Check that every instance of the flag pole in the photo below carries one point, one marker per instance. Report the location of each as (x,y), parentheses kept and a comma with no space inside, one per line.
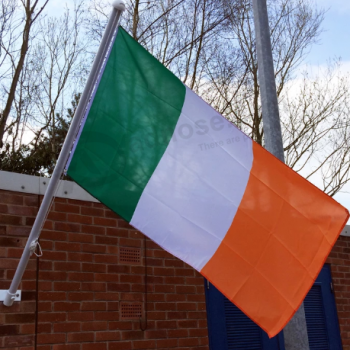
(295,332)
(118,8)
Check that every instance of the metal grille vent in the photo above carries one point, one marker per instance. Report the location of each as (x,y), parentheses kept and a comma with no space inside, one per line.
(130,255)
(131,311)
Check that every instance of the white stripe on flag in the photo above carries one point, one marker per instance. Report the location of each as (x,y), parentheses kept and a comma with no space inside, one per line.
(193,195)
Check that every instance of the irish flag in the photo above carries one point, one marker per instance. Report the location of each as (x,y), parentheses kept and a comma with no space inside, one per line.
(163,159)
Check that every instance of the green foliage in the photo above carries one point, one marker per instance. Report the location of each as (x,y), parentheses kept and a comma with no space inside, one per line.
(39,156)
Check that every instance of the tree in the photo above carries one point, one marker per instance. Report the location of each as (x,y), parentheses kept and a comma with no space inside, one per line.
(9,39)
(210,46)
(38,157)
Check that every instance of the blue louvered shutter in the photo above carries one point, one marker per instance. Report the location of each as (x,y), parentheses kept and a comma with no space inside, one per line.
(230,329)
(321,315)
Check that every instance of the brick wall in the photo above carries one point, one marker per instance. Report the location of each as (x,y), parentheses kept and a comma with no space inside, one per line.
(85,292)
(340,267)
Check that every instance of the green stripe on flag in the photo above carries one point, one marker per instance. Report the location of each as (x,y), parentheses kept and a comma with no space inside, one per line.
(129,126)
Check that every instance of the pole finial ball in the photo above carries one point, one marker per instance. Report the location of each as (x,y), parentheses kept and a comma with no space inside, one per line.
(118,5)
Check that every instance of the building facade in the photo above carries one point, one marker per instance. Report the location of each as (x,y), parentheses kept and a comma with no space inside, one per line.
(101,284)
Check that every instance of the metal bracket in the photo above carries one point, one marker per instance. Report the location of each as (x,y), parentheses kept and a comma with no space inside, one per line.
(15,297)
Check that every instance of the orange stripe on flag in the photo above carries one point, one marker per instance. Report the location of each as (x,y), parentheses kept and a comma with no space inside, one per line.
(279,239)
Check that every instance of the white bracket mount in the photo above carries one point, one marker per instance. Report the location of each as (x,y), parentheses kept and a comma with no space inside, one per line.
(15,297)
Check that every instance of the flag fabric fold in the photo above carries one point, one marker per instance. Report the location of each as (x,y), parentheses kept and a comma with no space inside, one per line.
(168,163)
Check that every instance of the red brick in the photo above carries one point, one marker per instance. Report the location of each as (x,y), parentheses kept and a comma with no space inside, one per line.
(52,317)
(96,230)
(18,340)
(167,343)
(119,345)
(188,342)
(66,347)
(155,334)
(19,318)
(106,316)
(106,259)
(105,222)
(62,256)
(93,248)
(67,266)
(80,257)
(132,335)
(92,211)
(9,198)
(164,271)
(67,208)
(165,306)
(118,269)
(21,211)
(52,275)
(107,296)
(66,306)
(187,272)
(127,242)
(117,232)
(106,240)
(66,327)
(118,287)
(106,277)
(63,226)
(65,246)
(80,316)
(94,326)
(177,333)
(80,276)
(164,289)
(54,235)
(123,224)
(18,231)
(80,337)
(44,328)
(56,216)
(96,346)
(186,306)
(82,238)
(106,336)
(44,306)
(185,289)
(166,324)
(27,329)
(88,267)
(10,220)
(197,333)
(96,287)
(8,330)
(144,344)
(48,225)
(52,296)
(81,296)
(120,325)
(66,286)
(94,306)
(87,220)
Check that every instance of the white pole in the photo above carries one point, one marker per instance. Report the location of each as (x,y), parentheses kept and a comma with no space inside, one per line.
(118,8)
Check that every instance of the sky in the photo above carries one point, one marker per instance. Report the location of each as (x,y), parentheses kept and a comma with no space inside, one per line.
(334,42)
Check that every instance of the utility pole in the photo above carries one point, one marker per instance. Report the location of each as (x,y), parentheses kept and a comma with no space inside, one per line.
(295,332)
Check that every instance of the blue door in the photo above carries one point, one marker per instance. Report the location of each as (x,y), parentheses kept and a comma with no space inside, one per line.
(230,329)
